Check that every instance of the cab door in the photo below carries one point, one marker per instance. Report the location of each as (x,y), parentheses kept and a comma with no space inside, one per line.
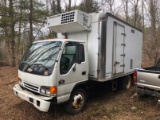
(71,71)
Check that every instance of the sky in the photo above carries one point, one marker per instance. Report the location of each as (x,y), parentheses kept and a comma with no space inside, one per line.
(77,2)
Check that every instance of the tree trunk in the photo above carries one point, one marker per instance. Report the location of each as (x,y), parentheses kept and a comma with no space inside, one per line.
(59,6)
(135,12)
(126,11)
(30,22)
(69,5)
(53,8)
(12,33)
(19,36)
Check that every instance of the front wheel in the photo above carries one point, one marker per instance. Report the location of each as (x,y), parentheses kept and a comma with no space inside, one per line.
(77,101)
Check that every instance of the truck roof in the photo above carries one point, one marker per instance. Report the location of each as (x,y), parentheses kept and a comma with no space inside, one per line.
(106,14)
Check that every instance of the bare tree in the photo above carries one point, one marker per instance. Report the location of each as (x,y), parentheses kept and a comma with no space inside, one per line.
(151,33)
(30,22)
(68,6)
(135,4)
(59,10)
(125,7)
(111,6)
(89,6)
(107,5)
(12,37)
(143,16)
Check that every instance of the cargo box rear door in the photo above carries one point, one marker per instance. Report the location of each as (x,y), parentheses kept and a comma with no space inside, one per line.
(118,46)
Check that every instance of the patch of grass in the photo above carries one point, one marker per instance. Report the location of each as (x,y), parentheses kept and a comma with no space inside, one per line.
(102,112)
(113,110)
(97,113)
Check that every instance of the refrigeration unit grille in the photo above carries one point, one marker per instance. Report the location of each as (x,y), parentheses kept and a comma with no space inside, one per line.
(67,17)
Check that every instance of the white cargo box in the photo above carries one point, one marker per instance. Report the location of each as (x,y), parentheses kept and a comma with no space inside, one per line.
(114,46)
(69,22)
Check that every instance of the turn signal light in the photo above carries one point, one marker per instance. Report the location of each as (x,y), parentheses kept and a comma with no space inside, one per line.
(53,90)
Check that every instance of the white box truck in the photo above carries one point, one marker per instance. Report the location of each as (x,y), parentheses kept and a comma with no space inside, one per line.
(99,48)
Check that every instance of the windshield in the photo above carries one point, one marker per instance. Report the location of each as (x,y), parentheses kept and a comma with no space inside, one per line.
(40,57)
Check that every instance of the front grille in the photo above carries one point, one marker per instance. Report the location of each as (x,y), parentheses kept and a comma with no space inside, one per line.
(31,87)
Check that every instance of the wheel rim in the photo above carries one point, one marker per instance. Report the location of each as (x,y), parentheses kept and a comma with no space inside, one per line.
(78,101)
(128,83)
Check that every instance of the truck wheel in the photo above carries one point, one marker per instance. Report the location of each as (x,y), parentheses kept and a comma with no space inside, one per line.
(77,101)
(126,82)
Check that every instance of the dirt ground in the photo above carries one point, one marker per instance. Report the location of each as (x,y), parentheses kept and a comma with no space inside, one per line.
(108,105)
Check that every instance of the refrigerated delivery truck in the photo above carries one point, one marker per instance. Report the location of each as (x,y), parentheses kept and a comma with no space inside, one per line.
(96,47)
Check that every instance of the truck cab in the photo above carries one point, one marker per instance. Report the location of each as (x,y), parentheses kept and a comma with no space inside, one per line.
(50,70)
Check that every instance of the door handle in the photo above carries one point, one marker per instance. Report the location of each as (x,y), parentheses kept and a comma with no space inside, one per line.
(159,76)
(61,82)
(115,63)
(84,73)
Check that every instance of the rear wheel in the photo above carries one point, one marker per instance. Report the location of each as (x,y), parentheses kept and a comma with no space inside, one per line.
(77,101)
(126,82)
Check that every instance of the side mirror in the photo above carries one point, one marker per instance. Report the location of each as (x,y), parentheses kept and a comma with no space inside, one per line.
(80,53)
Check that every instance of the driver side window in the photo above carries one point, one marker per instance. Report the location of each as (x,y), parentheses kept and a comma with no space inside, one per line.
(68,57)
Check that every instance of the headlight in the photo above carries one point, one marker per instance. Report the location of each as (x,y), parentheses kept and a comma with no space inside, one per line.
(45,90)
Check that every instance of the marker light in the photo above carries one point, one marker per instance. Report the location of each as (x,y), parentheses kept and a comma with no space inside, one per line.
(135,76)
(102,18)
(17,78)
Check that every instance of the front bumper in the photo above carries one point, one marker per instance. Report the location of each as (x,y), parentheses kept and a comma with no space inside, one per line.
(40,102)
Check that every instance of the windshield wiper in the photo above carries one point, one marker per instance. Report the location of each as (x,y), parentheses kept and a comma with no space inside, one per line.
(23,66)
(40,69)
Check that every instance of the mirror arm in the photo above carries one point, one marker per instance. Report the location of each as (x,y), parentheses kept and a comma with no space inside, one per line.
(74,67)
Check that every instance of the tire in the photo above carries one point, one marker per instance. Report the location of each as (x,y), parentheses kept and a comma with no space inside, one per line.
(126,82)
(77,101)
